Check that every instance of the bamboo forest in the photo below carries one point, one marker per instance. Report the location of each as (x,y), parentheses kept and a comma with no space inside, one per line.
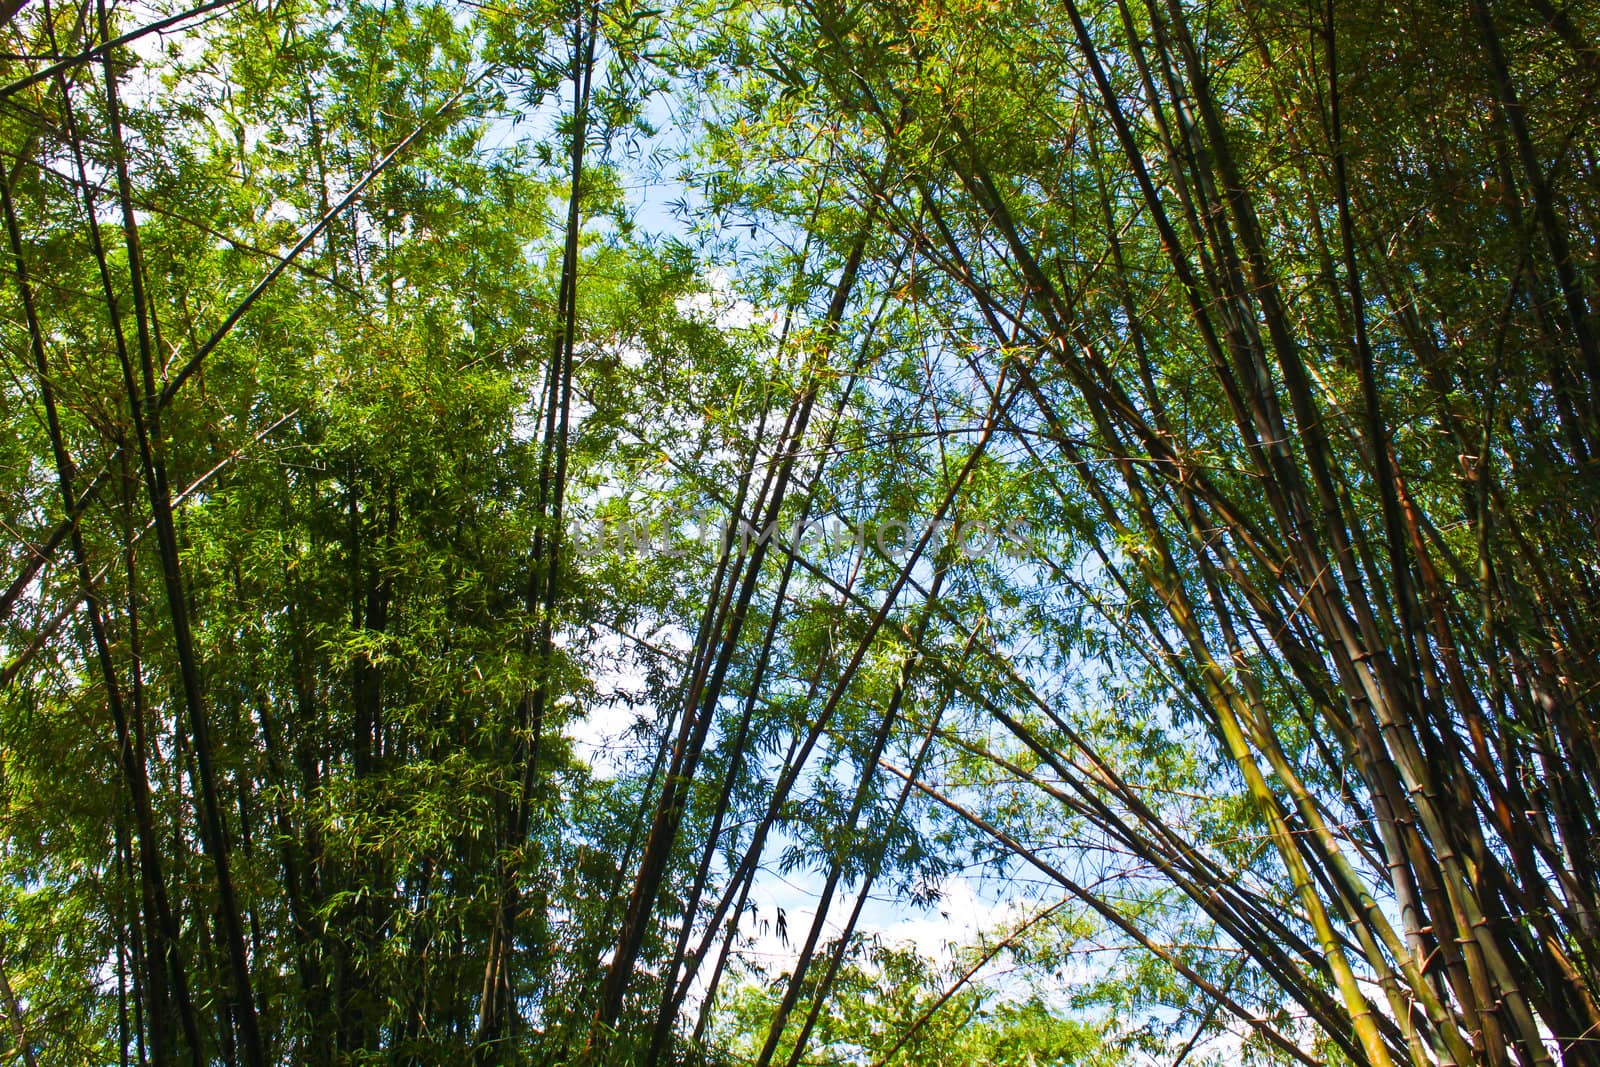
(800,533)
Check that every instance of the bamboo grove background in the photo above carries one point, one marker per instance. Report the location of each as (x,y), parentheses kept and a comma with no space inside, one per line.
(1267,331)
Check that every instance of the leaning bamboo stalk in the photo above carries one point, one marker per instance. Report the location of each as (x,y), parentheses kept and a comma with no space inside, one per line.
(1114,917)
(151,448)
(167,963)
